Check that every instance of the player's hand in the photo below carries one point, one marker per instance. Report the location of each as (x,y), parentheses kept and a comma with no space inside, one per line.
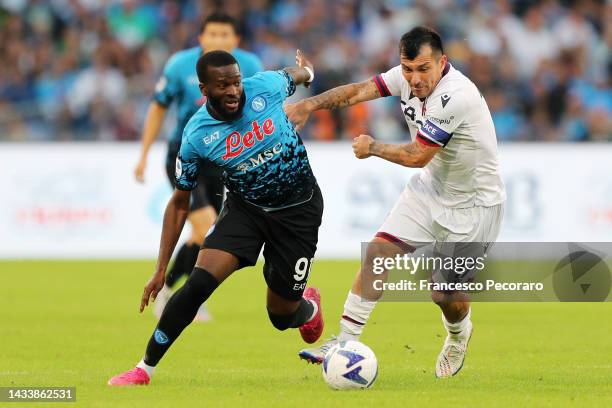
(139,170)
(361,146)
(155,284)
(297,113)
(302,62)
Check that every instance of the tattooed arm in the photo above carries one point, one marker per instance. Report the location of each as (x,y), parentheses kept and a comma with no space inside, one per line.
(415,154)
(335,98)
(342,96)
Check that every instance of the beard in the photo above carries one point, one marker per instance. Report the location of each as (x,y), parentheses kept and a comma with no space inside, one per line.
(221,111)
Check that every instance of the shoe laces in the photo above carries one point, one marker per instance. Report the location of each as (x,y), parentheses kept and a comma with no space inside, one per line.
(453,351)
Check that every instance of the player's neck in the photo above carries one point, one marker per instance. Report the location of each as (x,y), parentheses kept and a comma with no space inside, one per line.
(445,71)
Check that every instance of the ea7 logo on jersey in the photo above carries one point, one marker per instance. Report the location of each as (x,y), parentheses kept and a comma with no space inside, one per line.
(235,143)
(445,98)
(211,138)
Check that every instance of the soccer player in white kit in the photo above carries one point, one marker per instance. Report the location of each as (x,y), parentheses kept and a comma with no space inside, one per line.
(457,197)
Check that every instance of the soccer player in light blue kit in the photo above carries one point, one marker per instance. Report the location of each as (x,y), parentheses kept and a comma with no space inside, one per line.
(179,83)
(273,203)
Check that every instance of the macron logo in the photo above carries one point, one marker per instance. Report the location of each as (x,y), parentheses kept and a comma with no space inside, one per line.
(236,143)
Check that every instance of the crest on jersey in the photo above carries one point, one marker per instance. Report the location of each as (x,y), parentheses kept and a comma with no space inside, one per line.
(445,98)
(258,104)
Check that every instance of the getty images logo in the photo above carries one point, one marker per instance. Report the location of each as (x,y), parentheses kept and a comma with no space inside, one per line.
(582,276)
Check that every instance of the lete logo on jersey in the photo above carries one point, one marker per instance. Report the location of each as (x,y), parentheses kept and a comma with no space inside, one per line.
(235,143)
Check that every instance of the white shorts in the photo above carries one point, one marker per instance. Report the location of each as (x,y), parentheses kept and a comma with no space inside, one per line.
(417,218)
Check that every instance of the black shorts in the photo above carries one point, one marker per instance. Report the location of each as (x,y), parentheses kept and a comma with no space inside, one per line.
(209,190)
(289,239)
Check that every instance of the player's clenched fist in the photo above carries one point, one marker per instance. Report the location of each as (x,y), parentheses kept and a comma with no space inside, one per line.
(361,146)
(297,113)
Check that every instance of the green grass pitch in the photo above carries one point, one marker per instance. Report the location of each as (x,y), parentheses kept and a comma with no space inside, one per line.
(77,324)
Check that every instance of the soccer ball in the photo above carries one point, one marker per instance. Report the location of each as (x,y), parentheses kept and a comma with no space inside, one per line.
(350,365)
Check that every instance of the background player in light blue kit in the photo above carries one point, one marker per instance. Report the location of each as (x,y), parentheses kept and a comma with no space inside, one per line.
(273,203)
(179,83)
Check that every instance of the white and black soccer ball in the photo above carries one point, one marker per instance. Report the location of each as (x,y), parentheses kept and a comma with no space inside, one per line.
(350,365)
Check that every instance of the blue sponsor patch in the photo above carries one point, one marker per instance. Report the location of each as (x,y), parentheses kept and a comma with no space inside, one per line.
(435,133)
(160,337)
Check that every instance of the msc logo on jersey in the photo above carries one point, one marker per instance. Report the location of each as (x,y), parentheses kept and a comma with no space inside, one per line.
(178,170)
(258,104)
(261,158)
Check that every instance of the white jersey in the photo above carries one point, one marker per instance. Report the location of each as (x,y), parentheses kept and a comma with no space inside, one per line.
(464,173)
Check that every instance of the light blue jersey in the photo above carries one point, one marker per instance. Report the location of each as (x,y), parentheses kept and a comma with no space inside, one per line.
(179,82)
(263,157)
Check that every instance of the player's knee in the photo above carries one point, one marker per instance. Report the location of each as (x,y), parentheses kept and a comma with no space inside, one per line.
(439,298)
(200,284)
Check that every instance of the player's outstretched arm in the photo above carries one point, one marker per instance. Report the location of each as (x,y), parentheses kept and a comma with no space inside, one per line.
(152,125)
(174,220)
(414,154)
(303,73)
(335,98)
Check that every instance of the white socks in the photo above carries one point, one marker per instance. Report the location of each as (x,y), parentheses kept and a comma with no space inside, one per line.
(355,316)
(456,331)
(149,369)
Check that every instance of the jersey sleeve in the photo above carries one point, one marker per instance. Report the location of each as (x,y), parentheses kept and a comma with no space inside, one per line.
(168,85)
(277,81)
(390,83)
(187,169)
(443,115)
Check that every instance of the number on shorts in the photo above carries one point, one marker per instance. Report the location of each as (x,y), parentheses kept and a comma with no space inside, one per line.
(302,268)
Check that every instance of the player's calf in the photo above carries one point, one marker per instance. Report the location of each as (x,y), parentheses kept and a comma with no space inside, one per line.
(307,315)
(179,312)
(301,315)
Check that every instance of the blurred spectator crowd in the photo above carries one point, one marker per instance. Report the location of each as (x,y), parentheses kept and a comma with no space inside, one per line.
(85,69)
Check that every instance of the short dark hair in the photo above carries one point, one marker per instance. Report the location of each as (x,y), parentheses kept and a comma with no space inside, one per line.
(413,40)
(215,59)
(222,18)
